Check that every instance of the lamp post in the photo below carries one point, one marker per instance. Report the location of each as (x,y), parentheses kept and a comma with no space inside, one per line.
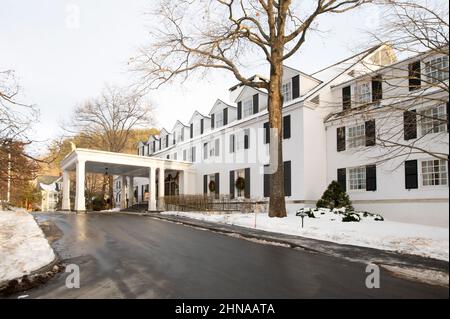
(302,214)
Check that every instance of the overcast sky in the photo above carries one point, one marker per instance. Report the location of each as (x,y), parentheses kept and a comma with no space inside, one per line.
(60,62)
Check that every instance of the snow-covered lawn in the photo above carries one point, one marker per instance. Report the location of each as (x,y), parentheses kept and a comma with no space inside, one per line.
(23,246)
(387,235)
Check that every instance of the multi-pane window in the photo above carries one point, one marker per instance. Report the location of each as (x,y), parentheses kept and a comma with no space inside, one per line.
(286,91)
(357,178)
(356,136)
(434,172)
(364,93)
(434,120)
(436,69)
(248,107)
(218,119)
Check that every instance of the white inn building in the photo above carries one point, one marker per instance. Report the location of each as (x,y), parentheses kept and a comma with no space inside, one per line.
(376,125)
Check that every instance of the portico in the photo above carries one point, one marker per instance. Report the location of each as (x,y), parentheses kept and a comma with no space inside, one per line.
(126,166)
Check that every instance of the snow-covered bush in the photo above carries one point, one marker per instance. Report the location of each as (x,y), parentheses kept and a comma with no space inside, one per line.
(351,217)
(347,215)
(334,197)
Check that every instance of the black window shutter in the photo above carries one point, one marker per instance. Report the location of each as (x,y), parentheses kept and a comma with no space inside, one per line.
(205,184)
(370,133)
(225,116)
(266,182)
(346,98)
(340,135)
(232,137)
(266,133)
(159,141)
(167,140)
(377,88)
(154,146)
(411,176)
(410,124)
(192,130)
(295,87)
(287,178)
(342,178)
(231,184)
(239,110)
(246,139)
(217,181)
(247,183)
(212,121)
(287,127)
(255,103)
(414,72)
(371,178)
(202,126)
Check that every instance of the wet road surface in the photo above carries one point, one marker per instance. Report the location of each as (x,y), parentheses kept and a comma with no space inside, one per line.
(125,256)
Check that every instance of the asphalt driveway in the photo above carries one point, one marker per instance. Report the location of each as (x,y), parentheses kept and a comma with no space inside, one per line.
(125,256)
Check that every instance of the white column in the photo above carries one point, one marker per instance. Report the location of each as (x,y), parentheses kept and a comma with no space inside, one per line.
(130,191)
(80,205)
(66,190)
(123,192)
(161,188)
(152,189)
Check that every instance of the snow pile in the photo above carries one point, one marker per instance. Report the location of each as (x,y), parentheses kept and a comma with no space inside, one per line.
(23,246)
(327,225)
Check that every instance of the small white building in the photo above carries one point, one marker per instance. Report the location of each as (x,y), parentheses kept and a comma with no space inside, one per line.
(50,187)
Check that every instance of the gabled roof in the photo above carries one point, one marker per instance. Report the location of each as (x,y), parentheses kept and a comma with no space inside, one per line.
(330,73)
(254,78)
(218,102)
(178,123)
(163,131)
(302,73)
(197,113)
(248,88)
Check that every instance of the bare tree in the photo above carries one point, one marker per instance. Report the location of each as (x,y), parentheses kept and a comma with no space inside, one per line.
(16,117)
(108,121)
(224,35)
(416,91)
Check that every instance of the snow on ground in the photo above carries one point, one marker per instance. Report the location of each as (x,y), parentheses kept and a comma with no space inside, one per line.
(414,239)
(23,246)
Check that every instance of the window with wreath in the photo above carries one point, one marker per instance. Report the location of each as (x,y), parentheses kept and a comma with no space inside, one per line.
(434,120)
(357,178)
(436,70)
(356,136)
(434,172)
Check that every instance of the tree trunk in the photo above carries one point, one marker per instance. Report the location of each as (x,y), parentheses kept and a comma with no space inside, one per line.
(277,204)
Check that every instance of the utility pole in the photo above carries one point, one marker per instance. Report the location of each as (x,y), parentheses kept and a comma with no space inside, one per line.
(8,195)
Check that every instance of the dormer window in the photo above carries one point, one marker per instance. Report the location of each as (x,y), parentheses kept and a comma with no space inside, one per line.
(286,91)
(218,119)
(364,93)
(248,107)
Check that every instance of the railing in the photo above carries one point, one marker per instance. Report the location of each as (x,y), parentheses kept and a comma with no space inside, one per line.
(222,203)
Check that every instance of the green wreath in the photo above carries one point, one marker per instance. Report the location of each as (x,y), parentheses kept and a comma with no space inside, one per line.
(240,183)
(212,186)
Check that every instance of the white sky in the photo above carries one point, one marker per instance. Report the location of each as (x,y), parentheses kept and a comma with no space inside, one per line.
(60,64)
